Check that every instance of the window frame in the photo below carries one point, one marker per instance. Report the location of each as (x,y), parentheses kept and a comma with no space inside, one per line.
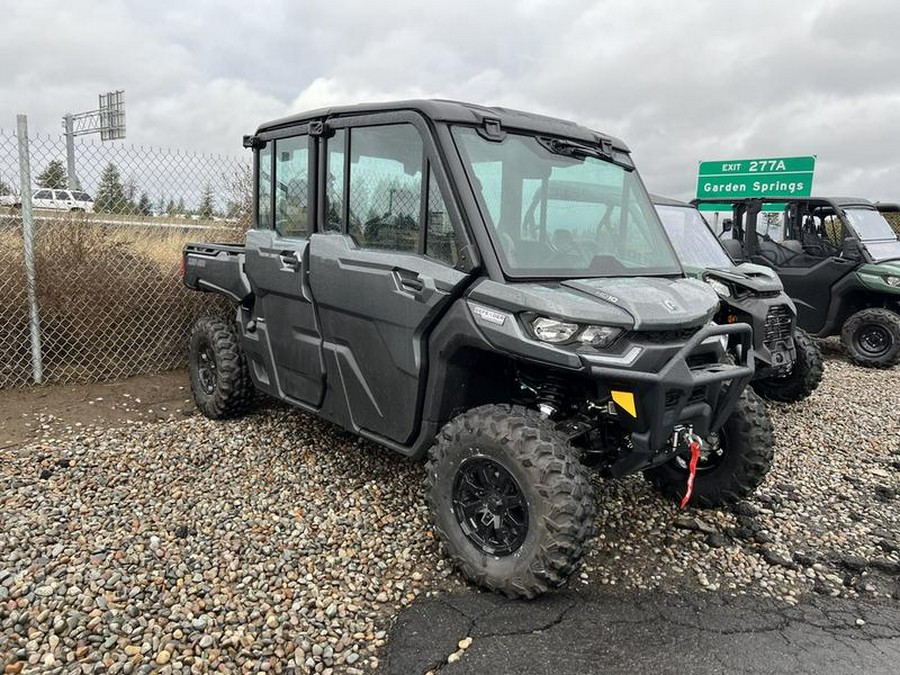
(312,146)
(431,162)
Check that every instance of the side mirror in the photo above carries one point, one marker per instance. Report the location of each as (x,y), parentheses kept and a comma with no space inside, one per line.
(727,224)
(850,249)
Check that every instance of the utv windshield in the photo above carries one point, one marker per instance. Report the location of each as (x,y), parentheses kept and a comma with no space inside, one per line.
(875,233)
(694,242)
(564,209)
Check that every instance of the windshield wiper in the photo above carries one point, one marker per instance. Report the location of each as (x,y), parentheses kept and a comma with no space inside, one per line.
(572,148)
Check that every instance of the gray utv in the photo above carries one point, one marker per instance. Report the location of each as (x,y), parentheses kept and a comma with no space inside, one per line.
(788,362)
(397,282)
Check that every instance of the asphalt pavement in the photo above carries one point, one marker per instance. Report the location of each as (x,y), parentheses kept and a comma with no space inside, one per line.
(648,632)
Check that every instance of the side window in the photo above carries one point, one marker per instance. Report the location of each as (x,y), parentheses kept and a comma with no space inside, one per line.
(264,180)
(292,186)
(61,195)
(334,185)
(43,194)
(385,187)
(440,242)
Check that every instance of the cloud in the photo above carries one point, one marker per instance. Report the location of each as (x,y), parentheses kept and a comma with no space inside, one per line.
(678,82)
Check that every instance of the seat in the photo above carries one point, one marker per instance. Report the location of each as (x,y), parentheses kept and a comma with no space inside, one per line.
(793,245)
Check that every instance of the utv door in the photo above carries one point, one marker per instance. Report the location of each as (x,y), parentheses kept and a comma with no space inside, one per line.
(284,348)
(379,286)
(810,288)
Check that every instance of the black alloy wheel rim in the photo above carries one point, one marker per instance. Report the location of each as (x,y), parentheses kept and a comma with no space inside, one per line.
(206,370)
(489,506)
(873,340)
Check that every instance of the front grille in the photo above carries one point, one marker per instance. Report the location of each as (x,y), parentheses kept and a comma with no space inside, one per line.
(779,321)
(664,337)
(696,395)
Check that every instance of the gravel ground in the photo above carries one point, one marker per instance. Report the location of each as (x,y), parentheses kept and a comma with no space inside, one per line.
(826,519)
(278,541)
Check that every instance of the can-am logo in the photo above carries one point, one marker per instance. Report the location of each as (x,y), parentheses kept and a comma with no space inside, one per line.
(671,306)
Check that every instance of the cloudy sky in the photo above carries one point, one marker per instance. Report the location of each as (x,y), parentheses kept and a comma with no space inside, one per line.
(678,81)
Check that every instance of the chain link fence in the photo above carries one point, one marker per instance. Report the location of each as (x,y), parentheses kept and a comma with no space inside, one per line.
(107,254)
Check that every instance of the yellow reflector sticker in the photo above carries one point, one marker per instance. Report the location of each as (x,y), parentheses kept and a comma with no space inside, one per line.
(625,400)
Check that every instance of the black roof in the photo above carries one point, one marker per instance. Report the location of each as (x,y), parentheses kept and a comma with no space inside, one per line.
(667,201)
(456,111)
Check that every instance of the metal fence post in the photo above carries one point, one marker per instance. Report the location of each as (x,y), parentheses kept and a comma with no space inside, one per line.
(28,239)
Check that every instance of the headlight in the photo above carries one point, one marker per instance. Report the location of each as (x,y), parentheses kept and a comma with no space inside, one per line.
(599,336)
(553,330)
(893,281)
(719,287)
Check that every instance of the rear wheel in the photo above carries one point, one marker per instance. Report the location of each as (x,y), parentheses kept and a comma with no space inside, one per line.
(510,500)
(872,337)
(734,461)
(802,380)
(220,381)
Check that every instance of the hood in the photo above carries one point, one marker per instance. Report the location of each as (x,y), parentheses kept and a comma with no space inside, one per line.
(639,303)
(888,268)
(874,276)
(756,278)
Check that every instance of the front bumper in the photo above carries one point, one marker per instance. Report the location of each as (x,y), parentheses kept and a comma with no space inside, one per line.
(678,394)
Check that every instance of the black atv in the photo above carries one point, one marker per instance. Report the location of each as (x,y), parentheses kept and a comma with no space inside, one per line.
(839,261)
(396,282)
(788,362)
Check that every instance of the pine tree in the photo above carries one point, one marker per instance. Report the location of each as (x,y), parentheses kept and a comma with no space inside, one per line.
(207,203)
(53,176)
(111,193)
(144,207)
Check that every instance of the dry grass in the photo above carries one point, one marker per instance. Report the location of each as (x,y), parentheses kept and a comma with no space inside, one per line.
(110,297)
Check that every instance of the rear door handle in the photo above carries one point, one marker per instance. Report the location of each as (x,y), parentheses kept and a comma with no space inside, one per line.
(289,261)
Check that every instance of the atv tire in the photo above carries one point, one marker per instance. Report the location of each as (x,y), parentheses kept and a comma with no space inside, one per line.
(220,381)
(510,500)
(747,442)
(872,338)
(804,378)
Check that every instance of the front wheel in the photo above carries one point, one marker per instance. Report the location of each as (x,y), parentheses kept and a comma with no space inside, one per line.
(510,501)
(803,378)
(872,338)
(733,462)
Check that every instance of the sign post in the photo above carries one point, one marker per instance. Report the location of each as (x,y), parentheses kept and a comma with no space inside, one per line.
(109,120)
(741,178)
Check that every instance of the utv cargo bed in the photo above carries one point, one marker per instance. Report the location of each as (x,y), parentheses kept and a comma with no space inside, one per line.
(216,267)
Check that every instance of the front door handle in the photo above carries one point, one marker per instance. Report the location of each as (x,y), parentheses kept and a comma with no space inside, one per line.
(410,281)
(415,285)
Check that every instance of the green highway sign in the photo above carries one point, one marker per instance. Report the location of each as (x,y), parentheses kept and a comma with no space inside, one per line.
(768,177)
